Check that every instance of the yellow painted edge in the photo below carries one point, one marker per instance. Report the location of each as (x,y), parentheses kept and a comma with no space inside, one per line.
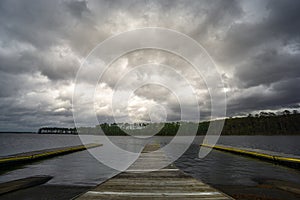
(46,154)
(252,153)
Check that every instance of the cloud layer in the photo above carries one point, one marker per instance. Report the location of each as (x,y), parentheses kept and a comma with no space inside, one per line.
(255,44)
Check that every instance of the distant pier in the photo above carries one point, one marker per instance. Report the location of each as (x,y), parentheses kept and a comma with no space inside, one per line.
(55,130)
(139,181)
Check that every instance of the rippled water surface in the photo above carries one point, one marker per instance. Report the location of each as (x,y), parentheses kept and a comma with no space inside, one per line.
(217,169)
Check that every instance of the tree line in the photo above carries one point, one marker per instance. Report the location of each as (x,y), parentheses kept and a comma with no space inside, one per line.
(263,123)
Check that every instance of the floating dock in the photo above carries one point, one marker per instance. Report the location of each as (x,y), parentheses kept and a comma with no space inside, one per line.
(139,181)
(274,157)
(22,158)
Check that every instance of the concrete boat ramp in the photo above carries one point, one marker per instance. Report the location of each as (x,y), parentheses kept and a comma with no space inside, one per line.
(139,181)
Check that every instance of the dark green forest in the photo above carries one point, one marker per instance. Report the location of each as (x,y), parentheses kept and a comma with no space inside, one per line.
(264,123)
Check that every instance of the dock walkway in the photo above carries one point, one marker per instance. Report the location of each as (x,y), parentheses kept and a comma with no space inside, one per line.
(140,182)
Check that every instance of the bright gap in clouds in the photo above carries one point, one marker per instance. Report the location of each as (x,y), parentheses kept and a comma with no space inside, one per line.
(150,102)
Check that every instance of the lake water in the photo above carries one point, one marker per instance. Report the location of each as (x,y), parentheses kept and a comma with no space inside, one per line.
(219,169)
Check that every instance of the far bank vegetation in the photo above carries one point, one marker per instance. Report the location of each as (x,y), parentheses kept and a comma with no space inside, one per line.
(264,123)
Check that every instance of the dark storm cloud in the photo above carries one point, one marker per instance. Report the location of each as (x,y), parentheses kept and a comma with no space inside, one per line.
(24,117)
(265,57)
(78,8)
(283,94)
(17,64)
(284,18)
(217,14)
(10,87)
(42,43)
(30,32)
(268,67)
(34,22)
(280,25)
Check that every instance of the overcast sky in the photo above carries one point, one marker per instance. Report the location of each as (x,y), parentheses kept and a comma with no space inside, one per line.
(255,45)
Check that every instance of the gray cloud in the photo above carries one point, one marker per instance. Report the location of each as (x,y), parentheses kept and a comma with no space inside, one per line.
(256,46)
(268,67)
(279,26)
(78,8)
(282,94)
